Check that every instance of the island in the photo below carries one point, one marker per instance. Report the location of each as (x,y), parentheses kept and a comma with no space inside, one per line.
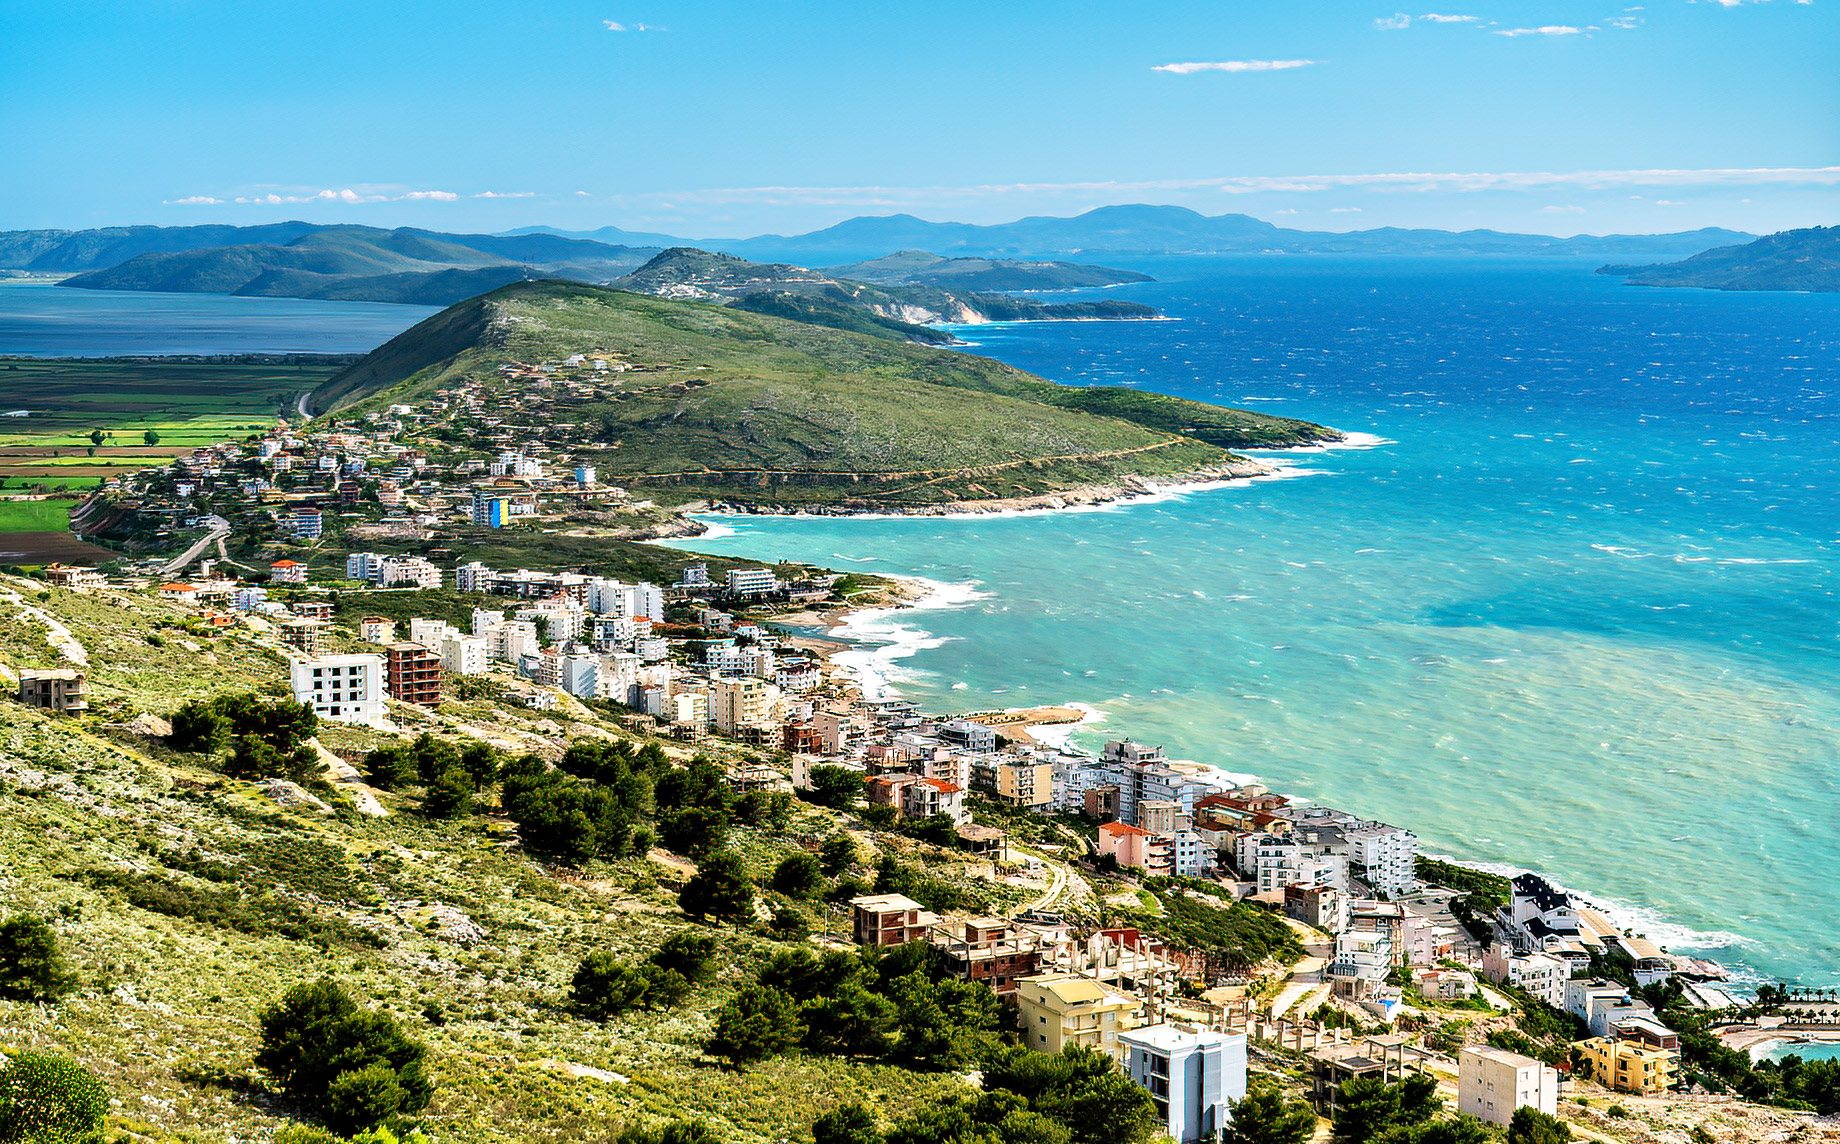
(1805,260)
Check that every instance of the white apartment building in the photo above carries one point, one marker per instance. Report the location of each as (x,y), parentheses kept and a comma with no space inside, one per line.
(690,709)
(377,630)
(342,688)
(1275,861)
(652,649)
(399,571)
(1191,1074)
(741,702)
(1540,974)
(364,566)
(752,581)
(1492,1083)
(462,654)
(1362,960)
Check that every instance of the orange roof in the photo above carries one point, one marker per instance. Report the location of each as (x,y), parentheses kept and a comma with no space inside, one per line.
(285,564)
(178,587)
(942,786)
(1121,828)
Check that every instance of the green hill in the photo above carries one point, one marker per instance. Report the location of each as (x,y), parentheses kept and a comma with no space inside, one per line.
(919,268)
(891,308)
(1807,260)
(736,405)
(358,263)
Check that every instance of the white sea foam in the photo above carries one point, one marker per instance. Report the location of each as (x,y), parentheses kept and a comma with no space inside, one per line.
(882,639)
(1056,735)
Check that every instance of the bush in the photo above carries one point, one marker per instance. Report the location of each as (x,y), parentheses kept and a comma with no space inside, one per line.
(450,795)
(676,1132)
(758,1024)
(604,987)
(798,876)
(692,955)
(50,1100)
(349,1064)
(32,965)
(834,786)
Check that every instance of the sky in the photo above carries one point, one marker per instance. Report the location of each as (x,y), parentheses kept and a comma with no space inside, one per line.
(710,118)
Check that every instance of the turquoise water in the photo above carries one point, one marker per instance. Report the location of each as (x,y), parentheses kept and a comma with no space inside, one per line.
(1806,1052)
(1578,614)
(41,320)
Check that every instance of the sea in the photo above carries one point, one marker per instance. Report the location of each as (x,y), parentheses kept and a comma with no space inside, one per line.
(40,319)
(1569,605)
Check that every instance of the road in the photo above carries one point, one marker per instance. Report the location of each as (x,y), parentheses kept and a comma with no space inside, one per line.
(300,405)
(214,537)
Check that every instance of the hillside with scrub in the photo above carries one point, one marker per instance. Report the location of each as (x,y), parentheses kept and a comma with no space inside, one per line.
(695,400)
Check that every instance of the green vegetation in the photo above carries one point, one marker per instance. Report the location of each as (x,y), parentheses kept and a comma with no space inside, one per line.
(32,963)
(1806,259)
(1240,935)
(1265,1117)
(34,516)
(46,1099)
(918,268)
(350,1067)
(749,408)
(1531,1126)
(1405,1112)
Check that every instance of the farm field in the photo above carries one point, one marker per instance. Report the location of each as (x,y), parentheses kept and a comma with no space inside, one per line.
(53,408)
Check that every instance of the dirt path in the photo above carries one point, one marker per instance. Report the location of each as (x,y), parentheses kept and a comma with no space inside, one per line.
(56,634)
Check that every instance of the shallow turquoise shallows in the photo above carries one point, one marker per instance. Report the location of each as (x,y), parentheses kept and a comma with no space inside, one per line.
(1578,615)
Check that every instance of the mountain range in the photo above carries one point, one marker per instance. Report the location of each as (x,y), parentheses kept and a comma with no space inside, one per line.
(1806,259)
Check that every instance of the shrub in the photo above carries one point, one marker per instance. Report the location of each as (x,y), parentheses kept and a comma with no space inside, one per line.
(32,965)
(798,876)
(604,987)
(450,795)
(50,1100)
(719,889)
(834,786)
(676,1132)
(326,1053)
(759,1023)
(693,955)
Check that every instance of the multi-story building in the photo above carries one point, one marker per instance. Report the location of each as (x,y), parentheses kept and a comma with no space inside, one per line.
(1275,861)
(1492,1083)
(304,523)
(54,689)
(1024,782)
(413,674)
(397,571)
(377,630)
(752,582)
(342,688)
(1324,907)
(1362,960)
(1055,1010)
(740,703)
(924,797)
(967,735)
(462,654)
(1191,1074)
(287,572)
(890,919)
(1603,1005)
(303,636)
(1539,974)
(1125,844)
(990,951)
(1629,1065)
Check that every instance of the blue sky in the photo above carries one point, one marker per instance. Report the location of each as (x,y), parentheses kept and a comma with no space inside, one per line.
(711,118)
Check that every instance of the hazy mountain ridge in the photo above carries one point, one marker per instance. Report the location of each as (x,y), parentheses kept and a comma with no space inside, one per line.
(1806,260)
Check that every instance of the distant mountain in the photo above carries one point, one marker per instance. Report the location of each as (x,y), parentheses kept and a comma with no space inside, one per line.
(918,268)
(1807,260)
(350,263)
(818,297)
(706,402)
(608,234)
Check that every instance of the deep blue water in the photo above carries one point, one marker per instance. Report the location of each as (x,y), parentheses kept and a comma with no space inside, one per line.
(41,320)
(1578,615)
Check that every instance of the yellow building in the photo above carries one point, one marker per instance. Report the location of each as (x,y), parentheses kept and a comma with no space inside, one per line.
(1028,785)
(1630,1066)
(1059,1009)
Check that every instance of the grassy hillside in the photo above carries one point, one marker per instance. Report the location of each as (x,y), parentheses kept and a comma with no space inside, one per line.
(725,400)
(1807,259)
(919,268)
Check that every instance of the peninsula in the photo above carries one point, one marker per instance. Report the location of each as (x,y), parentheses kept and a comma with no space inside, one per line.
(1805,260)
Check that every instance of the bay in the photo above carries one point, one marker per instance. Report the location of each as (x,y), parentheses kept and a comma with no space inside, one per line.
(1576,613)
(38,319)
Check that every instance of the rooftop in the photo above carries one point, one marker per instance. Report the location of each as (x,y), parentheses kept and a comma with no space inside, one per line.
(1175,1038)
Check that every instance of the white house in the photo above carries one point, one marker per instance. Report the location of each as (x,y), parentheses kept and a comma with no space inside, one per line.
(1492,1083)
(1539,974)
(1191,1074)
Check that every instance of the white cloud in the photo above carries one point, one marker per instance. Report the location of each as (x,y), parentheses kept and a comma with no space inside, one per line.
(1561,210)
(1543,30)
(347,195)
(1669,203)
(584,194)
(616,26)
(1624,22)
(1344,210)
(508,194)
(1441,18)
(194,200)
(1394,22)
(1233,66)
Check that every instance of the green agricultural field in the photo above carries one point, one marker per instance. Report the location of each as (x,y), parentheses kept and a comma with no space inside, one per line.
(185,402)
(35,516)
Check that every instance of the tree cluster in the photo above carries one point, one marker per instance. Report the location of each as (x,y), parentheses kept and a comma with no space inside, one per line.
(354,1068)
(1406,1112)
(604,986)
(894,1004)
(1077,1097)
(265,737)
(451,777)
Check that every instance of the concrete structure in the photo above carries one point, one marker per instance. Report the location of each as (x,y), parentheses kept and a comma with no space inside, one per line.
(1629,1066)
(989,951)
(1362,960)
(1191,1074)
(968,736)
(923,798)
(1539,974)
(890,919)
(752,582)
(287,572)
(376,629)
(1126,844)
(1324,907)
(1492,1083)
(54,689)
(1055,1010)
(342,688)
(1027,783)
(740,703)
(303,522)
(412,674)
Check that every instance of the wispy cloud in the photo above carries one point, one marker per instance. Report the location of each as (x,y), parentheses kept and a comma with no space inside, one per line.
(193,201)
(1624,23)
(1561,210)
(1542,30)
(347,195)
(1443,18)
(616,26)
(1393,23)
(1233,66)
(506,195)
